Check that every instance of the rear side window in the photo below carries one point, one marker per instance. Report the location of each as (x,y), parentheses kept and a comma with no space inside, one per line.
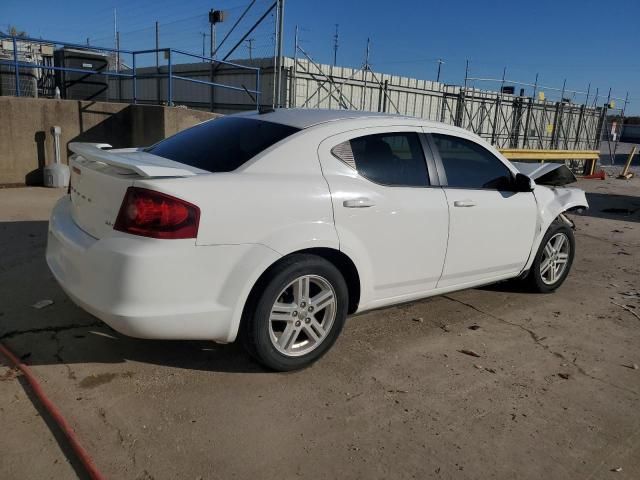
(393,159)
(469,165)
(221,145)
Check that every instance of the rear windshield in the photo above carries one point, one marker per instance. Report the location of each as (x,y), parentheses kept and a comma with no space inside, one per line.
(221,145)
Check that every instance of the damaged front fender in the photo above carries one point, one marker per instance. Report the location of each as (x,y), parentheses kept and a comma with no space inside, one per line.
(552,203)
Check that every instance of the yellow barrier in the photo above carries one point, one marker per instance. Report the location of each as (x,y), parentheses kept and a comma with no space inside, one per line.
(542,155)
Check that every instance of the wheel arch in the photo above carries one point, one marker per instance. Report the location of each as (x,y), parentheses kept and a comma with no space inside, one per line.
(552,204)
(339,259)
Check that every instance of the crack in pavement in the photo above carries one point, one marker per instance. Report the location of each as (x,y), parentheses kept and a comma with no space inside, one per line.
(127,445)
(537,339)
(15,333)
(58,356)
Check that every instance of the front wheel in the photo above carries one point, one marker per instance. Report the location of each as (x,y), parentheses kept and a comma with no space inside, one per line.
(297,313)
(553,259)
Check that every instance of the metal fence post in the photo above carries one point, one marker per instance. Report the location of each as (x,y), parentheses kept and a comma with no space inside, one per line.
(169,80)
(460,106)
(135,91)
(258,89)
(15,65)
(384,103)
(525,139)
(498,107)
(601,126)
(279,51)
(579,127)
(516,121)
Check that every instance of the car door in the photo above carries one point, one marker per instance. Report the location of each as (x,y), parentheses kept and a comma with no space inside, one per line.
(491,227)
(390,215)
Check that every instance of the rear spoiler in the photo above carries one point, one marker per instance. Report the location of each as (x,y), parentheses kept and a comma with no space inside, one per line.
(143,163)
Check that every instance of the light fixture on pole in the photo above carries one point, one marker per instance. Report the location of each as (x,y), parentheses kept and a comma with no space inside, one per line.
(215,17)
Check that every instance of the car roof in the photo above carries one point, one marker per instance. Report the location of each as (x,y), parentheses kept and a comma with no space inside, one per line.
(304,118)
(307,117)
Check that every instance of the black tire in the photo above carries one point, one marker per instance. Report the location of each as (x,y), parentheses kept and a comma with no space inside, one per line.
(534,279)
(256,330)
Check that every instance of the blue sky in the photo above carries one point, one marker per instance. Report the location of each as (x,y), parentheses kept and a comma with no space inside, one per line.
(582,41)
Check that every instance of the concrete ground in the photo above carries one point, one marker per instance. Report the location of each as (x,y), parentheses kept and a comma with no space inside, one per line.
(554,393)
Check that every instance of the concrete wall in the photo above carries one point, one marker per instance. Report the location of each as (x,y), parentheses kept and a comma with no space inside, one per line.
(26,143)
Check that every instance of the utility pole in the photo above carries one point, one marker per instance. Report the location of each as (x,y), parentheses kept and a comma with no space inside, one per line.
(366,55)
(204,40)
(335,56)
(280,40)
(215,17)
(118,65)
(335,47)
(440,62)
(115,28)
(250,47)
(157,46)
(212,29)
(116,42)
(466,74)
(158,82)
(366,75)
(117,52)
(294,86)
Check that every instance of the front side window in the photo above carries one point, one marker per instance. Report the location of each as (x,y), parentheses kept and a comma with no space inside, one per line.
(392,159)
(221,145)
(469,165)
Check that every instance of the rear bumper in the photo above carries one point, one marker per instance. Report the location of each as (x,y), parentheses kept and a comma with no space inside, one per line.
(148,288)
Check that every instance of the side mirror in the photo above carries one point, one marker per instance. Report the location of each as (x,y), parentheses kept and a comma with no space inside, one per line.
(522,183)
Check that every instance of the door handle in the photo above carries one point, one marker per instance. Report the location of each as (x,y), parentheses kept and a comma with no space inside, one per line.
(464,203)
(361,202)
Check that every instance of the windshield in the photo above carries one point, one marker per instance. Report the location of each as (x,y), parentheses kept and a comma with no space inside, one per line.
(223,144)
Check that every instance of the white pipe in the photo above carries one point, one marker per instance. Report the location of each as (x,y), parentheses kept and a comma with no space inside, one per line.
(56,131)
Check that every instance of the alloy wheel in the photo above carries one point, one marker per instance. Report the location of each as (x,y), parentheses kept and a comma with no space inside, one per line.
(554,258)
(302,315)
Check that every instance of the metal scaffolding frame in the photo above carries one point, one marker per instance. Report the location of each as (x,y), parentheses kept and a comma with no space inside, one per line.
(505,120)
(132,74)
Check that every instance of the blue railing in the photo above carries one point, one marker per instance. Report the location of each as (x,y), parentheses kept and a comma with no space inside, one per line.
(133,74)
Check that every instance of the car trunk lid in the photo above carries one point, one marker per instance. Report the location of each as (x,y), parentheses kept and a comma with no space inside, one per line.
(100,178)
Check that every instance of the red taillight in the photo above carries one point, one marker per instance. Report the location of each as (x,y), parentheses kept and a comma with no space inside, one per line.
(154,214)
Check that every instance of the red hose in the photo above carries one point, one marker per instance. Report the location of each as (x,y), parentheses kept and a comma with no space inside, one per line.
(82,454)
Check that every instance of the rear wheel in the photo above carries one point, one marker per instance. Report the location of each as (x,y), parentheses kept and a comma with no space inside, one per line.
(553,260)
(297,314)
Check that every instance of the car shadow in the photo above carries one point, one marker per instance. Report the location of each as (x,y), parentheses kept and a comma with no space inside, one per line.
(613,207)
(507,286)
(62,333)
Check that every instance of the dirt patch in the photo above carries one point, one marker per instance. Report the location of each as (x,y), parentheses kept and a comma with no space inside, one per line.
(9,374)
(93,381)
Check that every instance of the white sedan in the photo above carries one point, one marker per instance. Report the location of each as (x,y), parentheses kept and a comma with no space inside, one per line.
(274,226)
